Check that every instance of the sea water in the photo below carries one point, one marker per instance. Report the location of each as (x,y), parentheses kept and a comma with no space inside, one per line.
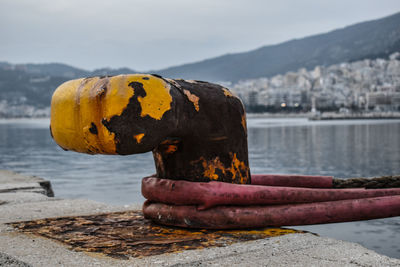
(356,148)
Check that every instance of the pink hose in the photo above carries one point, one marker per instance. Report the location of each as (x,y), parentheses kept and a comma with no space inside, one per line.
(230,217)
(309,181)
(296,201)
(207,195)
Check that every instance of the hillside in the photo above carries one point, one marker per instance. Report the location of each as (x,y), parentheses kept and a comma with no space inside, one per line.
(372,39)
(26,89)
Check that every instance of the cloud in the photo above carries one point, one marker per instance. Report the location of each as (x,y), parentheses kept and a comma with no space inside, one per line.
(145,34)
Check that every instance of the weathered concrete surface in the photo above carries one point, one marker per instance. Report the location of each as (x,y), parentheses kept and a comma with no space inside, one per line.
(22,197)
(6,260)
(55,208)
(14,182)
(289,250)
(17,249)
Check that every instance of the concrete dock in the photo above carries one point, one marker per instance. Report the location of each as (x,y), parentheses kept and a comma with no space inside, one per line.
(24,198)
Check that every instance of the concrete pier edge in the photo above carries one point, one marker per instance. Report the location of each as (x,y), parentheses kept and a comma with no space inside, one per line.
(25,198)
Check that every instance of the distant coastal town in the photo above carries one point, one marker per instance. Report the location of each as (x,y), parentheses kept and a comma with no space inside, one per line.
(360,86)
(368,88)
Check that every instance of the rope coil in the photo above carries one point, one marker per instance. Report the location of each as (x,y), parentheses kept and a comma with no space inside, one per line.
(390,181)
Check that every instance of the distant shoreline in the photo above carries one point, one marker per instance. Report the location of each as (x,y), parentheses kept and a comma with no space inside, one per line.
(356,116)
(306,115)
(329,115)
(279,115)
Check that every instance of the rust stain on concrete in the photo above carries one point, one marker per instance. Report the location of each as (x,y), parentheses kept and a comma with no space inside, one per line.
(128,234)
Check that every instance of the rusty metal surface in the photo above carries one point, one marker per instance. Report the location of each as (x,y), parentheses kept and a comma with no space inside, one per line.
(127,234)
(196,130)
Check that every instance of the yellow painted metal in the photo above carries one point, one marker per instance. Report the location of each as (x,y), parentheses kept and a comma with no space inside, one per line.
(228,93)
(64,107)
(157,100)
(138,137)
(80,106)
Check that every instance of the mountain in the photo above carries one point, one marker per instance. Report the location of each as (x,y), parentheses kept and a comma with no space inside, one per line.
(60,70)
(26,89)
(109,71)
(372,39)
(53,69)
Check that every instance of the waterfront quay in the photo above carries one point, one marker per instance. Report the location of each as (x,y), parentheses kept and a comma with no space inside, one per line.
(24,199)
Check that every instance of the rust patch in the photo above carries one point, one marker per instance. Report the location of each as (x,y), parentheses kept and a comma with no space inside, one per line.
(158,159)
(170,141)
(169,146)
(177,85)
(191,81)
(171,149)
(128,234)
(192,98)
(219,138)
(244,122)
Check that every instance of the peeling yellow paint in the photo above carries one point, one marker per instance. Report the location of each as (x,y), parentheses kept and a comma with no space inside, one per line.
(72,113)
(116,96)
(139,137)
(158,98)
(78,104)
(236,168)
(209,168)
(209,172)
(87,114)
(62,113)
(94,104)
(193,98)
(228,93)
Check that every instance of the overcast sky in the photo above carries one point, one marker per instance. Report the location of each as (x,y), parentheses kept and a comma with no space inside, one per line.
(153,34)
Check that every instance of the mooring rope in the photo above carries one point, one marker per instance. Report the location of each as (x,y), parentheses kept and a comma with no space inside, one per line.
(390,181)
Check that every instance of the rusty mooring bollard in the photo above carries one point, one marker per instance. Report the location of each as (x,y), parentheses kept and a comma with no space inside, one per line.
(196,130)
